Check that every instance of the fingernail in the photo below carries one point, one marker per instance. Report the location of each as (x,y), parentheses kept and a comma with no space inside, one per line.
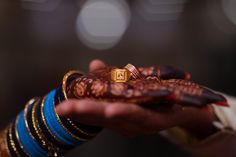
(222,103)
(187,76)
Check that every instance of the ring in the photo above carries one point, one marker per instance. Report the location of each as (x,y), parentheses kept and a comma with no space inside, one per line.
(120,75)
(133,70)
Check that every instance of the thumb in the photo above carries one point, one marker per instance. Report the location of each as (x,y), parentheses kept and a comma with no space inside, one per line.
(96,64)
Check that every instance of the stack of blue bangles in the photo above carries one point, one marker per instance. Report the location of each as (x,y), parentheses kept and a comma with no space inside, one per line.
(39,132)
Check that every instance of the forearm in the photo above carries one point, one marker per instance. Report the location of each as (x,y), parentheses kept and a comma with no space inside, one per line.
(39,131)
(4,152)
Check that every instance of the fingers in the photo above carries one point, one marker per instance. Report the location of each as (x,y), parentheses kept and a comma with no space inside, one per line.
(96,64)
(132,120)
(85,111)
(165,72)
(91,111)
(168,72)
(127,119)
(138,120)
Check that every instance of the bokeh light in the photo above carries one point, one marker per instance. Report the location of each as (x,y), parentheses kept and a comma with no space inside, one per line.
(229,7)
(102,23)
(160,10)
(40,5)
(222,16)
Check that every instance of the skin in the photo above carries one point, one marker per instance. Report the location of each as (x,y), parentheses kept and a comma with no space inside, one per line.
(133,120)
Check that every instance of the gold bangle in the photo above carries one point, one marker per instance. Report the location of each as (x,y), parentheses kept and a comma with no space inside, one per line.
(51,148)
(65,78)
(13,146)
(59,120)
(64,84)
(17,136)
(36,128)
(26,113)
(80,130)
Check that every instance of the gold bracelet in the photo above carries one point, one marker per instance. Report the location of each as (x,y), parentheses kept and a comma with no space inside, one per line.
(17,137)
(45,144)
(59,120)
(80,130)
(53,150)
(13,146)
(65,78)
(64,84)
(36,128)
(32,101)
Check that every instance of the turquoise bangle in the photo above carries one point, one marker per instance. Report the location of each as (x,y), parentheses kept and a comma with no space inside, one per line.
(53,123)
(32,147)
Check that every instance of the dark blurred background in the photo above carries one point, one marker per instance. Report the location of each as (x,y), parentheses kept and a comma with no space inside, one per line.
(40,40)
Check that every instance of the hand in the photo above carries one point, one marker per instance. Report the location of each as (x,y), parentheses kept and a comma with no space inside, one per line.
(131,119)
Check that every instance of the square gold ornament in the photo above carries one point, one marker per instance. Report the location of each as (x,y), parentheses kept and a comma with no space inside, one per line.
(120,75)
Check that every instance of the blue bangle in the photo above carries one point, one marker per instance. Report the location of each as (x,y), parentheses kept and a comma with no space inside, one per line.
(54,125)
(16,140)
(72,126)
(45,129)
(32,147)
